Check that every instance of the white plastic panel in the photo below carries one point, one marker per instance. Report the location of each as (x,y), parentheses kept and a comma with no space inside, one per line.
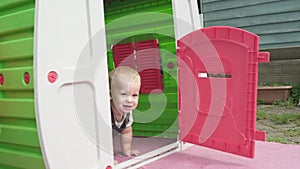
(73,112)
(186,17)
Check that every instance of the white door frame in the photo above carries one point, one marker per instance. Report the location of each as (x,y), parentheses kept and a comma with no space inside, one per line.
(71,84)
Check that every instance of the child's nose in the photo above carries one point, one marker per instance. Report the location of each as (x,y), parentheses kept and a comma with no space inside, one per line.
(129,99)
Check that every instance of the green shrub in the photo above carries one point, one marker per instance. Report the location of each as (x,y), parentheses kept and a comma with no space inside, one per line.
(297,119)
(288,104)
(261,115)
(285,118)
(292,132)
(295,94)
(280,118)
(278,140)
(260,102)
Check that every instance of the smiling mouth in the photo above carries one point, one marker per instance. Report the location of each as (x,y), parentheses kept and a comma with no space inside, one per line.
(127,107)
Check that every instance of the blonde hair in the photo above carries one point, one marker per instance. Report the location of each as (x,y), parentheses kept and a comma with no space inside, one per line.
(122,71)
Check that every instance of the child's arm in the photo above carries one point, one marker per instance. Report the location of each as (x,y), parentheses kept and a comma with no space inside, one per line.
(126,139)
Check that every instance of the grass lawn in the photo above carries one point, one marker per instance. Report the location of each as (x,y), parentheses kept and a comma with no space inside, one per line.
(281,123)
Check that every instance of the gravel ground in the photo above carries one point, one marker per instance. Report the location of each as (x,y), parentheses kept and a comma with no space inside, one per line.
(282,124)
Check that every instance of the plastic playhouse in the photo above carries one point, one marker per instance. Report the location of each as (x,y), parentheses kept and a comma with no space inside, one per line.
(199,85)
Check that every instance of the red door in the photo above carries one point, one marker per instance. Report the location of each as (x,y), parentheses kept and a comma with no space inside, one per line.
(217,76)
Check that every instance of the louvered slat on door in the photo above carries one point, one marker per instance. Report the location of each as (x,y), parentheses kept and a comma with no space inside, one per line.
(148,63)
(123,55)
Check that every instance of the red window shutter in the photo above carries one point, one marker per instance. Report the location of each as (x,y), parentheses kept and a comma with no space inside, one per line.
(123,55)
(148,63)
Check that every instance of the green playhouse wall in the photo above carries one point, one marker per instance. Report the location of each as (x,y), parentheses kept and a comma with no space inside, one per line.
(19,143)
(120,30)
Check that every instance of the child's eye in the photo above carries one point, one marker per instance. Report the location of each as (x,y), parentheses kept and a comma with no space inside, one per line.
(123,94)
(135,95)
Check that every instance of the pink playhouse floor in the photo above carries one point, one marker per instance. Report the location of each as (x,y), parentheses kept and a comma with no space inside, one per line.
(268,155)
(144,145)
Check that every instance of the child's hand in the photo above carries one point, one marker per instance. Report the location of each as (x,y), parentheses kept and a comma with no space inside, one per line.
(130,153)
(135,152)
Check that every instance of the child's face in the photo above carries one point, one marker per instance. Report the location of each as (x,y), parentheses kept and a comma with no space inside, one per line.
(125,93)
